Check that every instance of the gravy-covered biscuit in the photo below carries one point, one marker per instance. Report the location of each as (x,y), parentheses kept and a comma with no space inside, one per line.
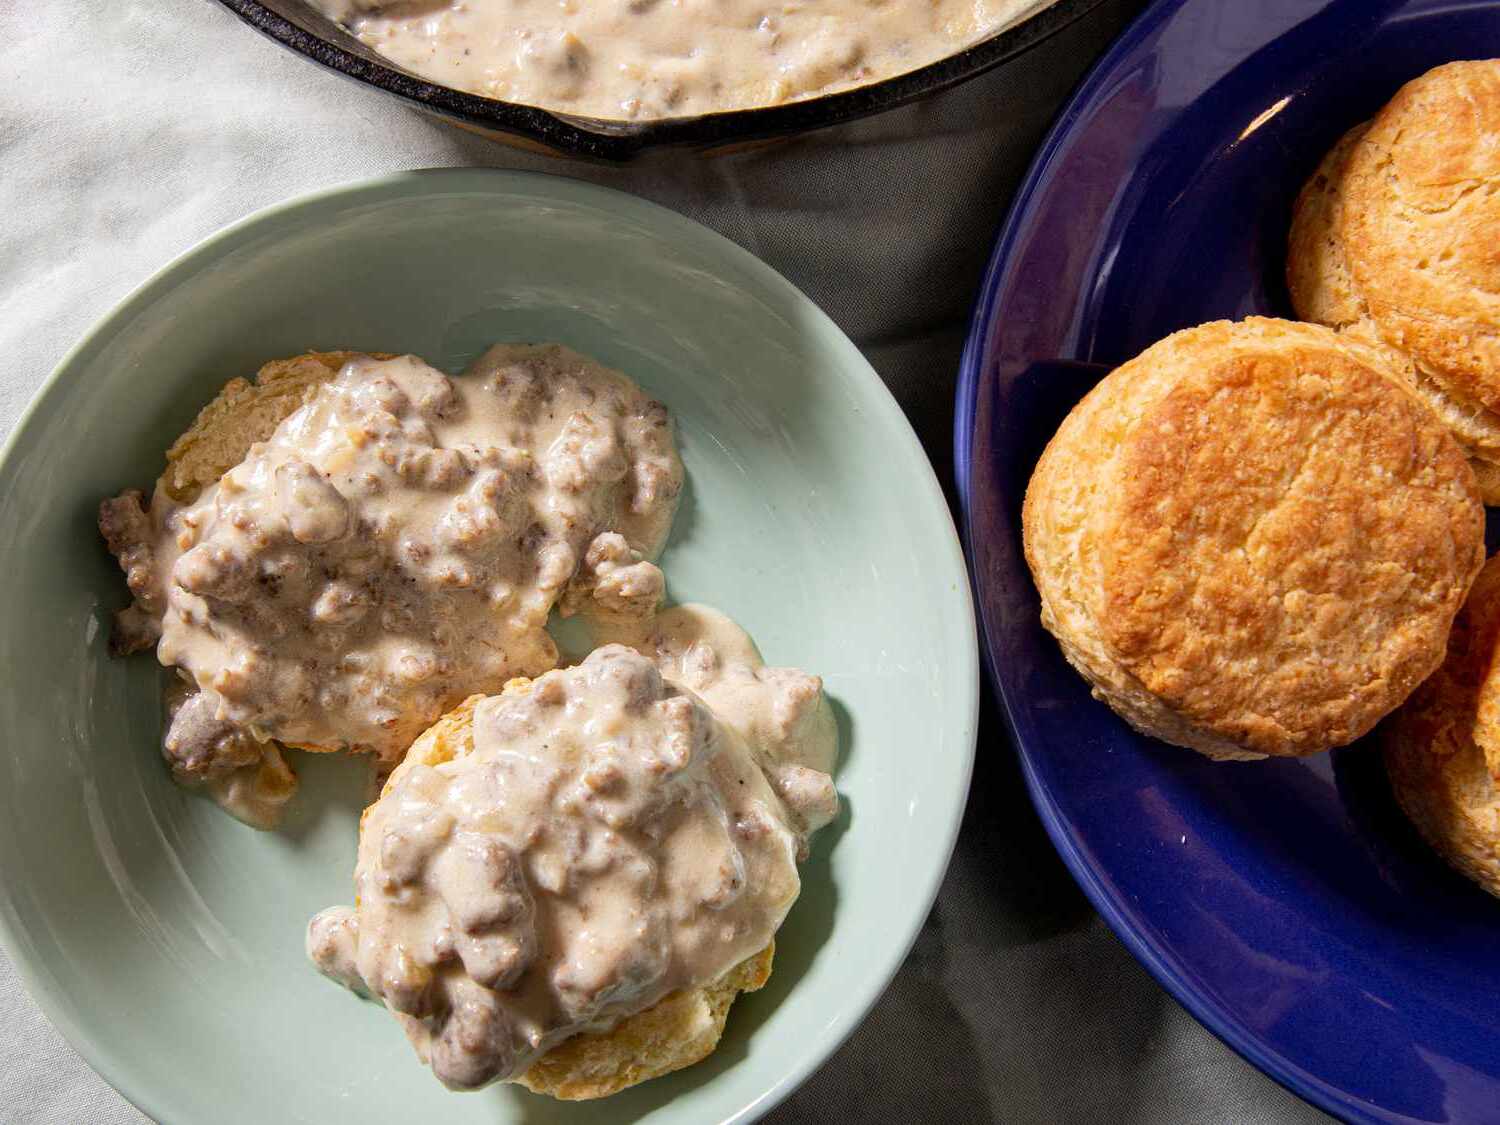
(1442,750)
(342,550)
(677,1031)
(1252,540)
(567,885)
(1323,290)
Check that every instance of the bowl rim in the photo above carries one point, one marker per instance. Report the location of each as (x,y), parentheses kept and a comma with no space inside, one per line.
(49,994)
(620,141)
(1165,965)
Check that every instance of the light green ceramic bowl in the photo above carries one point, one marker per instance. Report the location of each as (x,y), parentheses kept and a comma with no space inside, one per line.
(165,939)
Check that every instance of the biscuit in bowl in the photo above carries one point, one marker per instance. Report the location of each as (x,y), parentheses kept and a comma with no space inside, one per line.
(1392,241)
(339,552)
(245,774)
(566,885)
(1442,749)
(1251,540)
(677,1031)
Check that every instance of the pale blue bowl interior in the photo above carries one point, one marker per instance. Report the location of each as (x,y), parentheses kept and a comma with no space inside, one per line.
(164,939)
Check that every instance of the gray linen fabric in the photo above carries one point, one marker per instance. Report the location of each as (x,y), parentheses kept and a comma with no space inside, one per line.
(129,129)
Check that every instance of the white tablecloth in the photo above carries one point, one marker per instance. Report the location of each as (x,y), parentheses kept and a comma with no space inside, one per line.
(130,129)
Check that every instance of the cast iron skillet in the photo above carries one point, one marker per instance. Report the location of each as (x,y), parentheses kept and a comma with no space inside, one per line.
(295,25)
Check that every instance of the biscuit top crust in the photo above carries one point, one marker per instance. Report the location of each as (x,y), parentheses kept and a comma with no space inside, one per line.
(1290,538)
(1421,224)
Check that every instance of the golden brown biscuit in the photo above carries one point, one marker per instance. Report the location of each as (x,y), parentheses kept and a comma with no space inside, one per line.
(1421,226)
(1323,291)
(675,1032)
(1317,275)
(1251,540)
(679,1030)
(1442,750)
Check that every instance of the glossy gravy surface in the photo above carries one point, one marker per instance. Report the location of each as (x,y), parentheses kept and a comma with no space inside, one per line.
(643,59)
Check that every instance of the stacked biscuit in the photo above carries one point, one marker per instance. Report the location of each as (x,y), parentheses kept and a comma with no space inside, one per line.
(1254,538)
(1396,240)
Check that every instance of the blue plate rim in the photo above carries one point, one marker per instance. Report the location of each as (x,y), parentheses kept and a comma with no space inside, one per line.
(1159,961)
(49,995)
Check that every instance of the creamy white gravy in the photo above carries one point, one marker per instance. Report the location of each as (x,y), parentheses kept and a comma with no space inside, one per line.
(246,777)
(611,837)
(395,546)
(642,59)
(780,712)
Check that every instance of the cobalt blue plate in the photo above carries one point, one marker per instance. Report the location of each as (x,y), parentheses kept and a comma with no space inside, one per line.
(1286,904)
